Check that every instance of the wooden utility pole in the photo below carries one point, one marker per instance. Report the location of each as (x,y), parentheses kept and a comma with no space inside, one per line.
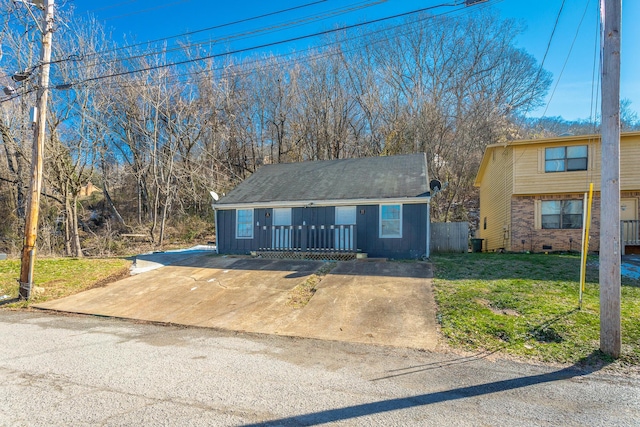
(610,335)
(33,206)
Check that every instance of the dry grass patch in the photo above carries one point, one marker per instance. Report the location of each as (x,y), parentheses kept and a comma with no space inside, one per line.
(302,293)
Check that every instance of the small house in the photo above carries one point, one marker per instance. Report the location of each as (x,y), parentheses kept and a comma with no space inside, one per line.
(378,206)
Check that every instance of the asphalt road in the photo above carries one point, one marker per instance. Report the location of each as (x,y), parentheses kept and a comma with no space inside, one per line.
(81,370)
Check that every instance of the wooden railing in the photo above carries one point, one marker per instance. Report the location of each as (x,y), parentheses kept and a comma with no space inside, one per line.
(629,233)
(307,238)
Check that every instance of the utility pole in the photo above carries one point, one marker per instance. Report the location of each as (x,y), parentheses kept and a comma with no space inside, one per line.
(33,206)
(610,335)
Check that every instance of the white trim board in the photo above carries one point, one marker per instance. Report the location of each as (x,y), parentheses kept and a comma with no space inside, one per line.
(313,203)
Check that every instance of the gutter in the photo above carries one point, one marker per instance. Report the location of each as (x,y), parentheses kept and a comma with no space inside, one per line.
(339,202)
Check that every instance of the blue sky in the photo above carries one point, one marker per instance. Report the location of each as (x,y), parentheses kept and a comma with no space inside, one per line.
(142,20)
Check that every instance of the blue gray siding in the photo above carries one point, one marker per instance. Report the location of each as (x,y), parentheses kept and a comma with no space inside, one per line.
(411,245)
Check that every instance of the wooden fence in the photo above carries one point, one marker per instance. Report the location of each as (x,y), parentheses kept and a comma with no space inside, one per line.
(449,237)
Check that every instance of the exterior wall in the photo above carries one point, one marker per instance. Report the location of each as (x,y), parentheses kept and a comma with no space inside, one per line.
(629,171)
(512,178)
(537,239)
(530,177)
(495,195)
(412,244)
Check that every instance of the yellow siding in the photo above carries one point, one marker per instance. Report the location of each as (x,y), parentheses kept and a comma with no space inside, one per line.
(530,177)
(496,188)
(518,169)
(629,163)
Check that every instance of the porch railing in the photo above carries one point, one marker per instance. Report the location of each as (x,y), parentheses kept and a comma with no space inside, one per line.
(307,238)
(629,233)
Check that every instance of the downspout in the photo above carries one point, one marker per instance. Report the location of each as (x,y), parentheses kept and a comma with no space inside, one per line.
(428,251)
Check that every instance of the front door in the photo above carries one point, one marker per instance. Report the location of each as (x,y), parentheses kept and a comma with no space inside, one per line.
(629,212)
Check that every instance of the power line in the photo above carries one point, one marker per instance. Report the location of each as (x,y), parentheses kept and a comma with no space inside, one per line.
(261,62)
(101,60)
(237,36)
(299,58)
(215,27)
(546,52)
(564,65)
(261,46)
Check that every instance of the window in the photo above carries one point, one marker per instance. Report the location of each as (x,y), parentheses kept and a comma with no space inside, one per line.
(244,224)
(282,216)
(565,159)
(345,215)
(390,221)
(561,214)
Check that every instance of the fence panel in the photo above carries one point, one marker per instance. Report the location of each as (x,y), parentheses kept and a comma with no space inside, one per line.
(449,237)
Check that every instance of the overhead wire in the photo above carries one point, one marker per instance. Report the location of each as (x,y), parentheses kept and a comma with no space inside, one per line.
(101,53)
(232,37)
(546,52)
(257,47)
(298,57)
(214,27)
(564,65)
(595,76)
(281,42)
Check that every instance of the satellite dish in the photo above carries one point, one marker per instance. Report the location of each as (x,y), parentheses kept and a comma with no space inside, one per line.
(435,185)
(214,195)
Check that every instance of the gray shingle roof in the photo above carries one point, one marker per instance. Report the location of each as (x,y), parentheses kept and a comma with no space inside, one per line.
(344,179)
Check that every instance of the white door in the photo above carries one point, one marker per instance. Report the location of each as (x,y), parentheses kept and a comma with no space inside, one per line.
(344,227)
(629,212)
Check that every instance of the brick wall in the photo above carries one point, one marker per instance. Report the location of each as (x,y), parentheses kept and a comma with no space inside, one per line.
(523,227)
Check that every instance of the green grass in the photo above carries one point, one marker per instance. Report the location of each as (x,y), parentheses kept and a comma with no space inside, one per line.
(526,305)
(58,277)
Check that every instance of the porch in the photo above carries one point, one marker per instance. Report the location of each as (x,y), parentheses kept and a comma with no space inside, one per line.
(630,237)
(340,239)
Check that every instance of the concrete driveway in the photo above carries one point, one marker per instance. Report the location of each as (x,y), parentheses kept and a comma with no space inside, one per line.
(388,303)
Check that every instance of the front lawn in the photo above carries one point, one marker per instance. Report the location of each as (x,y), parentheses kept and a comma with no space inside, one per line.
(59,277)
(527,305)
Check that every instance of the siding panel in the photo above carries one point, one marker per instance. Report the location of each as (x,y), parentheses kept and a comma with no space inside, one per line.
(495,199)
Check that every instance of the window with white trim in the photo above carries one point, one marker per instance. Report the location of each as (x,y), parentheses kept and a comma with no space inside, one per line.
(244,223)
(282,216)
(345,215)
(557,214)
(565,159)
(390,221)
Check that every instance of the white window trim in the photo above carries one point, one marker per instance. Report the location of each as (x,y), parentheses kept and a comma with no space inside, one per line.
(282,210)
(352,211)
(252,216)
(394,236)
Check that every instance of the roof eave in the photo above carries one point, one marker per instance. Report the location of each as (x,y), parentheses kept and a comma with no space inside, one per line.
(322,203)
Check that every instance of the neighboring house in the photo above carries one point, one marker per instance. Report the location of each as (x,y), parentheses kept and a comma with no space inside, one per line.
(88,190)
(375,205)
(532,192)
